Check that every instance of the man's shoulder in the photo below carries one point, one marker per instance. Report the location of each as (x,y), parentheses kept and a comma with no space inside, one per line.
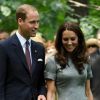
(37,44)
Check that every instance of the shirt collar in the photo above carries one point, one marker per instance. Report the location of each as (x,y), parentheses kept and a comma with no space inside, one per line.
(22,39)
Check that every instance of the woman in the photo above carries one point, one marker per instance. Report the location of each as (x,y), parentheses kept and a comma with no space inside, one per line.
(68,72)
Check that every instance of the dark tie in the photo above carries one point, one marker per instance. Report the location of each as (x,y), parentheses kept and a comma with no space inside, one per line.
(28,58)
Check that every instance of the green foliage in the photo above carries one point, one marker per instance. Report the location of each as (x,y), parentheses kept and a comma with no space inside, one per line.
(52,14)
(87,27)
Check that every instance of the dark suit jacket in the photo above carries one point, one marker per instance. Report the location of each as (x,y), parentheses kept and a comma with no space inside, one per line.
(16,82)
(95,81)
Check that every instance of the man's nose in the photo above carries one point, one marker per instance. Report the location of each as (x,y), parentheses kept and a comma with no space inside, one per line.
(36,25)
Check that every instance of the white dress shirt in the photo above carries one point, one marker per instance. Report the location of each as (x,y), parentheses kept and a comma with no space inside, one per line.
(23,43)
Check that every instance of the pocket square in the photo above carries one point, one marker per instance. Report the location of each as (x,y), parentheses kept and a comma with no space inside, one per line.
(40,59)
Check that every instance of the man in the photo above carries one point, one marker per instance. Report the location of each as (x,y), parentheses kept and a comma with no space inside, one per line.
(21,62)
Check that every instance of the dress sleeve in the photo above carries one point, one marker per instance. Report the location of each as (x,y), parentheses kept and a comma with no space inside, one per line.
(50,70)
(89,72)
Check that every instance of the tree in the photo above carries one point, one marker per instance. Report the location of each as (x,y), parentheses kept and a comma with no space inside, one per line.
(52,14)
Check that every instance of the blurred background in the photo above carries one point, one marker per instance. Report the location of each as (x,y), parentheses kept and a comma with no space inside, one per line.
(53,13)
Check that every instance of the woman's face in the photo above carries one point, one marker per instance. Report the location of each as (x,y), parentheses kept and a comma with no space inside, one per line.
(69,40)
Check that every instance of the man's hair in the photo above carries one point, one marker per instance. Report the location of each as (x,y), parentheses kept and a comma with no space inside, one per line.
(22,11)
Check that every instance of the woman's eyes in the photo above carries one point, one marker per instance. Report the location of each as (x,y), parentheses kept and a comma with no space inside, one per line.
(66,39)
(73,39)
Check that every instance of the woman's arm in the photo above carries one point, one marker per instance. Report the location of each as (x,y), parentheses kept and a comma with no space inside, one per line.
(51,90)
(88,90)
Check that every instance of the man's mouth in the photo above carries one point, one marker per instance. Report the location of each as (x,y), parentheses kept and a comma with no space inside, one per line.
(34,31)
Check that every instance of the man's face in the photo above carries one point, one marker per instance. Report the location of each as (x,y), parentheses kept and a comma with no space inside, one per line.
(29,26)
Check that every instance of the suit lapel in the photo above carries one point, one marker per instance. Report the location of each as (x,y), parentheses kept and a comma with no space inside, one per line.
(34,53)
(19,52)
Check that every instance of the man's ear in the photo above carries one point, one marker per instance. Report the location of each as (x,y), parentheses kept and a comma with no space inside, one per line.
(20,21)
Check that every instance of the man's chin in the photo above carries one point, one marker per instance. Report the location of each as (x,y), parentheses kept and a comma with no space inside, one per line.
(33,34)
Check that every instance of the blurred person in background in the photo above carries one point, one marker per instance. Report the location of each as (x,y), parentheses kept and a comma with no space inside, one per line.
(68,72)
(50,49)
(3,35)
(98,37)
(96,79)
(39,38)
(94,59)
(92,47)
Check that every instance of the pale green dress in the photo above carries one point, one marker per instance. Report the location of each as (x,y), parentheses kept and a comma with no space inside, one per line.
(69,83)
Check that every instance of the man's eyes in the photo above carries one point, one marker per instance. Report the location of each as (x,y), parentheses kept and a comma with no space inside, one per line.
(35,21)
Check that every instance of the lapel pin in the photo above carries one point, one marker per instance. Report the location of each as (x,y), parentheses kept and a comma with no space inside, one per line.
(35,51)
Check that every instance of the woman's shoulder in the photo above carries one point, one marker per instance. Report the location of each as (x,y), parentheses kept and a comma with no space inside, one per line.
(51,67)
(87,66)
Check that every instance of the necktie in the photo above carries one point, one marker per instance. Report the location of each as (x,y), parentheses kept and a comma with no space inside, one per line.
(28,58)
